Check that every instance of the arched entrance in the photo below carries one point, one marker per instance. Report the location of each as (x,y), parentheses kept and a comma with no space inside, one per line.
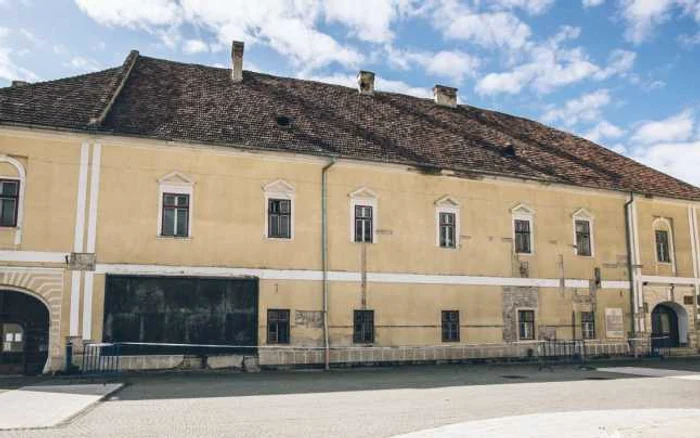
(24,333)
(669,325)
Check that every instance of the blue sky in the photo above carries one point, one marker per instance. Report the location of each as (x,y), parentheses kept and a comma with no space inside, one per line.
(623,73)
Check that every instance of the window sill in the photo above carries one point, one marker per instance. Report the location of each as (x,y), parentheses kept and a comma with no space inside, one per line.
(279,239)
(526,254)
(159,237)
(449,248)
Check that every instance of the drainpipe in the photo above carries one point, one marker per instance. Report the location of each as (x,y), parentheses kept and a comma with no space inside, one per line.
(324,259)
(629,234)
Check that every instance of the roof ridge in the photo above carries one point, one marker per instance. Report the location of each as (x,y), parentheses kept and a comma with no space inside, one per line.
(114,88)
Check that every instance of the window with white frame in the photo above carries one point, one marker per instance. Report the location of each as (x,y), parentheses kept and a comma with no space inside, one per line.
(12,183)
(175,200)
(363,216)
(663,238)
(526,325)
(447,220)
(583,233)
(279,219)
(523,221)
(588,325)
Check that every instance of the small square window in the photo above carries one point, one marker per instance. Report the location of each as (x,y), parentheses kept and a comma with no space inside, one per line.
(450,326)
(363,327)
(278,326)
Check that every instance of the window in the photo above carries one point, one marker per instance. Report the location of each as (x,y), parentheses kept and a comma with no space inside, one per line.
(279,210)
(522,236)
(583,237)
(526,325)
(588,325)
(447,230)
(9,202)
(279,218)
(278,326)
(363,327)
(363,216)
(176,215)
(363,224)
(450,326)
(663,249)
(447,218)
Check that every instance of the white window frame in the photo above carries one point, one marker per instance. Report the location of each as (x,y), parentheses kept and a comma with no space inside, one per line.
(177,184)
(663,224)
(534,323)
(584,215)
(523,213)
(279,189)
(447,204)
(364,197)
(22,178)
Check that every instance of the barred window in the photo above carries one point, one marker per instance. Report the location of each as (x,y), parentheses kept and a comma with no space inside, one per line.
(363,327)
(9,201)
(450,326)
(278,326)
(279,218)
(523,236)
(526,325)
(663,251)
(176,215)
(588,325)
(363,223)
(583,238)
(448,230)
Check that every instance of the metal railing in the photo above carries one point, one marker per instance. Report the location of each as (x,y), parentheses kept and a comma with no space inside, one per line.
(100,359)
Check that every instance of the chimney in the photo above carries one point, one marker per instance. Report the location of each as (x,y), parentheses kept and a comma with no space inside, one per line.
(237,61)
(365,82)
(16,84)
(445,96)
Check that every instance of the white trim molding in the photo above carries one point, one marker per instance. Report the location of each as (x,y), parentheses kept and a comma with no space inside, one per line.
(22,178)
(584,215)
(279,189)
(180,184)
(79,237)
(94,196)
(33,256)
(346,276)
(364,197)
(522,212)
(447,204)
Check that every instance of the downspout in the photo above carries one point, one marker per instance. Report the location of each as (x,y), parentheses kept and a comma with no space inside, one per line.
(324,259)
(630,261)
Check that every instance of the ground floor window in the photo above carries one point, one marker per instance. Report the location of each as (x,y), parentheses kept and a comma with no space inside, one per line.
(588,325)
(278,326)
(450,326)
(526,325)
(363,327)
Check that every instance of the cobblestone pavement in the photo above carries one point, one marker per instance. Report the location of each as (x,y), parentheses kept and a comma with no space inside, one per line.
(378,402)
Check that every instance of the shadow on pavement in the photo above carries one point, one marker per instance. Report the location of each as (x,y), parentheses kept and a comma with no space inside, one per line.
(204,384)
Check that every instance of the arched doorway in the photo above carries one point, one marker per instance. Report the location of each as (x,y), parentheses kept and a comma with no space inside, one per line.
(669,325)
(24,333)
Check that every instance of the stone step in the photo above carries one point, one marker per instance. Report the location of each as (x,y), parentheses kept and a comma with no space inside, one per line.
(683,351)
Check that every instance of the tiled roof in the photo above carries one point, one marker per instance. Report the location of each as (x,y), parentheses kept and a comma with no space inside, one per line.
(174,101)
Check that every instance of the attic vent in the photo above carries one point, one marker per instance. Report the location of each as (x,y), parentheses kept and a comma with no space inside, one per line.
(509,150)
(283,121)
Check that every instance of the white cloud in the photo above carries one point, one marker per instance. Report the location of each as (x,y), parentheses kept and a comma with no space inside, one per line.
(192,47)
(690,40)
(9,70)
(678,128)
(643,16)
(592,3)
(549,66)
(603,130)
(681,159)
(491,30)
(83,64)
(132,13)
(530,6)
(369,20)
(453,64)
(586,108)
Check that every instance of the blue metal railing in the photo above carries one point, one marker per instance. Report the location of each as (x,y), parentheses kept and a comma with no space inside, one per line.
(100,359)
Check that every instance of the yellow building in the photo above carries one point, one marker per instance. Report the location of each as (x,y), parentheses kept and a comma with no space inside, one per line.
(167,203)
